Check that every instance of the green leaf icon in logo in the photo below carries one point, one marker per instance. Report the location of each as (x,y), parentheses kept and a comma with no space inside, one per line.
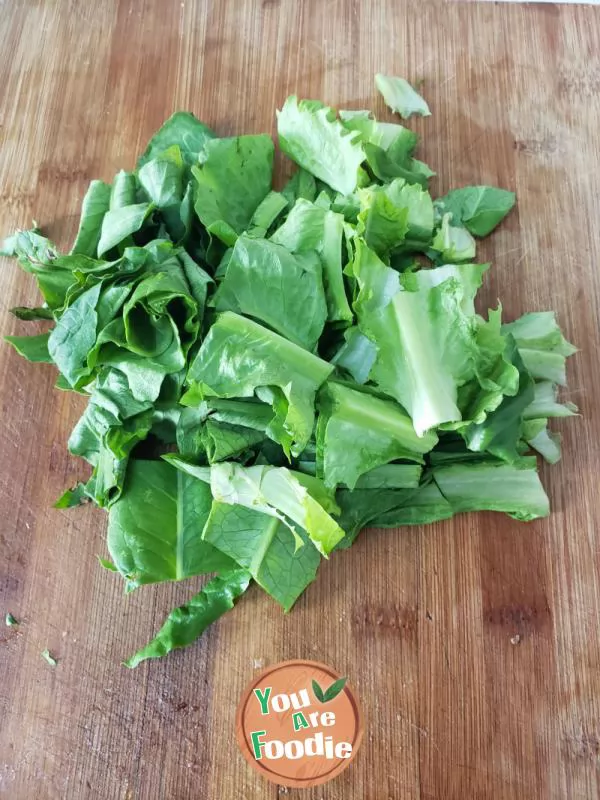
(329,694)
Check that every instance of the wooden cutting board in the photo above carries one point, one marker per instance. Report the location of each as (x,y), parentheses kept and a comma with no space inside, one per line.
(473,644)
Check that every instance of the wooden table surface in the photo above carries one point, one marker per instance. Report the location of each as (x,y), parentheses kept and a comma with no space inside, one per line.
(421,619)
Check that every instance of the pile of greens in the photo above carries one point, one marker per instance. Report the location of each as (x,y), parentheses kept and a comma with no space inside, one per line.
(268,372)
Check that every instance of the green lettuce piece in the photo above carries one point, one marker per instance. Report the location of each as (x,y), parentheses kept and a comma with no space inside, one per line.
(113,423)
(189,433)
(356,355)
(310,227)
(155,527)
(181,129)
(500,432)
(264,546)
(74,336)
(453,244)
(387,135)
(394,215)
(479,208)
(537,435)
(391,476)
(388,147)
(514,489)
(381,223)
(311,135)
(111,392)
(291,497)
(221,440)
(95,205)
(162,178)
(33,348)
(538,330)
(273,205)
(38,255)
(421,507)
(419,206)
(301,185)
(232,179)
(239,357)
(29,247)
(123,191)
(387,167)
(32,314)
(425,334)
(400,96)
(283,494)
(360,506)
(496,376)
(545,403)
(542,346)
(390,508)
(186,624)
(357,432)
(119,223)
(267,282)
(158,325)
(246,413)
(544,366)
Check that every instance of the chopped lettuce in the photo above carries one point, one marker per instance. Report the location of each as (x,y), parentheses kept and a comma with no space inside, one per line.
(358,432)
(239,358)
(314,138)
(479,208)
(400,96)
(268,371)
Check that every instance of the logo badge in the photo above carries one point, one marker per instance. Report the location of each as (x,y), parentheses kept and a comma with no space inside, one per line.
(299,723)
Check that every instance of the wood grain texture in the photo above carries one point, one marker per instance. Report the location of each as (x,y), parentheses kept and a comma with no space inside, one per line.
(420,619)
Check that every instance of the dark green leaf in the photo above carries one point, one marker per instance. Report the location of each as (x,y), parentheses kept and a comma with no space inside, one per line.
(30,314)
(95,205)
(187,623)
(232,180)
(265,281)
(33,348)
(119,223)
(479,208)
(266,548)
(183,130)
(155,527)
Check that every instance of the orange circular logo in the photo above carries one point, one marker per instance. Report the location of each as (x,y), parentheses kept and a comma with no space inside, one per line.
(299,723)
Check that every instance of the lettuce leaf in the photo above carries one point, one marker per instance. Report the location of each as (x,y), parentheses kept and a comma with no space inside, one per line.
(33,348)
(288,496)
(186,624)
(425,333)
(232,179)
(357,432)
(310,227)
(155,527)
(287,282)
(479,208)
(311,135)
(182,129)
(266,547)
(238,358)
(400,96)
(514,489)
